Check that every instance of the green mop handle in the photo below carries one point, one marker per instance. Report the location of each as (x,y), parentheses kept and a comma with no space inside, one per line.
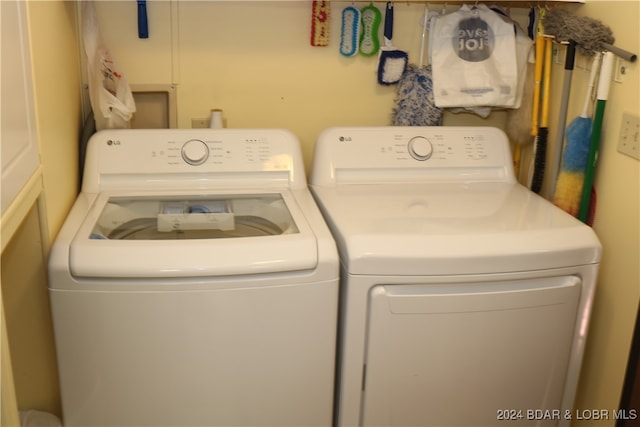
(594,142)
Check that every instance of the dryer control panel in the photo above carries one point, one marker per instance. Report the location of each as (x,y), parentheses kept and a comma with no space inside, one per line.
(165,155)
(387,154)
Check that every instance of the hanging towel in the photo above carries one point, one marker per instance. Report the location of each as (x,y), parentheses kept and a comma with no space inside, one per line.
(474,59)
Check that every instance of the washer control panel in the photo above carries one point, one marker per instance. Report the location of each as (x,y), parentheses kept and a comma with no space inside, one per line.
(412,153)
(215,151)
(207,153)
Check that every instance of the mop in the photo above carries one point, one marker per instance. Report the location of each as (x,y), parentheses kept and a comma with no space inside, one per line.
(589,34)
(415,105)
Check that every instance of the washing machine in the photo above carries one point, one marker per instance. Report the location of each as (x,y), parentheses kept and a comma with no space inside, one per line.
(195,283)
(465,297)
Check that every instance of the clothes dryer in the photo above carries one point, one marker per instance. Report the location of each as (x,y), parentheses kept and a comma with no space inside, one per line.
(194,283)
(465,297)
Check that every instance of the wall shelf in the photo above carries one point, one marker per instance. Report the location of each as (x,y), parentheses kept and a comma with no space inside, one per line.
(505,3)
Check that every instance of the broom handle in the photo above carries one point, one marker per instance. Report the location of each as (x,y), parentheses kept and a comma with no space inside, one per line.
(537,84)
(546,89)
(592,81)
(388,24)
(624,54)
(540,144)
(424,31)
(562,117)
(594,142)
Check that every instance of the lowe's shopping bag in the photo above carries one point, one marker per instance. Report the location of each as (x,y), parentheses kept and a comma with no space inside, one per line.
(473,55)
(111,98)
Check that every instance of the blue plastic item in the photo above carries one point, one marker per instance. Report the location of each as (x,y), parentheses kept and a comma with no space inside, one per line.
(143,24)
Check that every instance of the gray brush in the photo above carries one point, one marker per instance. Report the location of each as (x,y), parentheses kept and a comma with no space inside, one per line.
(590,35)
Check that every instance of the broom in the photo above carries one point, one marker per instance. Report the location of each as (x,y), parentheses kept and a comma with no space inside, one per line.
(568,188)
(535,112)
(543,130)
(594,141)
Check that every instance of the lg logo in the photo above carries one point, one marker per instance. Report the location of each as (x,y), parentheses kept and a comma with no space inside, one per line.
(111,142)
(344,139)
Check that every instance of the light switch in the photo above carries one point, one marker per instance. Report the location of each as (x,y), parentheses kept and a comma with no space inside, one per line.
(629,143)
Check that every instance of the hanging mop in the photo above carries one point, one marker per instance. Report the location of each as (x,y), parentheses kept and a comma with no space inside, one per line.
(415,105)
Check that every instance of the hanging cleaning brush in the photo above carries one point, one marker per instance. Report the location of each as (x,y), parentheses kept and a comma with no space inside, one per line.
(568,188)
(369,43)
(350,33)
(393,61)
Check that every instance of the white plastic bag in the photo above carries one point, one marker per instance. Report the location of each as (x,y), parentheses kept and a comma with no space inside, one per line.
(111,98)
(474,59)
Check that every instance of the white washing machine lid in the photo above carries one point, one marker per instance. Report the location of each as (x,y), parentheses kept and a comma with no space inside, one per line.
(452,228)
(184,235)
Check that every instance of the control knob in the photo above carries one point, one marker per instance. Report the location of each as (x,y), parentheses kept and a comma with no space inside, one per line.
(195,152)
(420,148)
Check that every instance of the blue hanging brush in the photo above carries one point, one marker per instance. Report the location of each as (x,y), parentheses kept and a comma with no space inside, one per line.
(568,190)
(350,34)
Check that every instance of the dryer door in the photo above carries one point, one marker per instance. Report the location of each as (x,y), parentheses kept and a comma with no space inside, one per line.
(459,354)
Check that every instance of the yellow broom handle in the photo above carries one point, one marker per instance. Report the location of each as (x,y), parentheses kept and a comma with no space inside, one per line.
(548,49)
(540,40)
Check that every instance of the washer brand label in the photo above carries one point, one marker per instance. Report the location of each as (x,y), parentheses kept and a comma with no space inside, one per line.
(475,40)
(345,138)
(112,142)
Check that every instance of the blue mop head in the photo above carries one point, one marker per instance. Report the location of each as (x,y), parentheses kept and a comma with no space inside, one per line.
(415,105)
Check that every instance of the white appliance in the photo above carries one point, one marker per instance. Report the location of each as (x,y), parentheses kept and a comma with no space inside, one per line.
(465,298)
(195,283)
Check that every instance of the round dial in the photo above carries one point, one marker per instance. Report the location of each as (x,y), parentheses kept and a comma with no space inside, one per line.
(195,152)
(420,148)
